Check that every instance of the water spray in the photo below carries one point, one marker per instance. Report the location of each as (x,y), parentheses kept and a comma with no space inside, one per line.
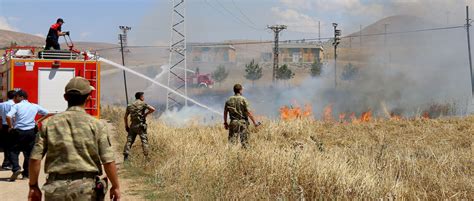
(157,83)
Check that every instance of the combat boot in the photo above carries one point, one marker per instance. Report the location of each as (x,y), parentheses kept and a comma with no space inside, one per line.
(125,158)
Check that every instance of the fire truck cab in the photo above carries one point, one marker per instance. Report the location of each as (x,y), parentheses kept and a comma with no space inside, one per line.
(44,75)
(200,80)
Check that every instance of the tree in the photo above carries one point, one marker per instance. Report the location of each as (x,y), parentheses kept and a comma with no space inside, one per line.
(284,73)
(316,68)
(350,72)
(220,74)
(253,71)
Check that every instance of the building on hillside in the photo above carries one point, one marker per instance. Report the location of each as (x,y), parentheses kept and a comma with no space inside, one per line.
(211,53)
(300,52)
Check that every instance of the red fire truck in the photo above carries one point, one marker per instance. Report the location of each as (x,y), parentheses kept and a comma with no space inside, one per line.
(44,74)
(200,80)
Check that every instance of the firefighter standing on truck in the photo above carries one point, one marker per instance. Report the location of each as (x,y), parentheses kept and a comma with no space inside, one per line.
(76,146)
(138,111)
(237,107)
(53,35)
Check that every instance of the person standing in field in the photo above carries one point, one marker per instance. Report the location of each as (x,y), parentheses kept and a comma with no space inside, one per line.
(22,131)
(138,111)
(76,146)
(238,109)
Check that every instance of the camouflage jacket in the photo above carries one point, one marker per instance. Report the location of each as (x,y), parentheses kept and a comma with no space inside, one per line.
(73,141)
(137,111)
(238,107)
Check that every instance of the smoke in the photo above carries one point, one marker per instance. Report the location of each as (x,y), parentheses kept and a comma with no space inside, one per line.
(189,116)
(402,73)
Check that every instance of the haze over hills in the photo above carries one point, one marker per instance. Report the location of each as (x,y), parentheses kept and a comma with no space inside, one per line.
(354,48)
(397,23)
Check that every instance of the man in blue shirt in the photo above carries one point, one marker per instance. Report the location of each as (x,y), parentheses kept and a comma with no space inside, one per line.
(4,136)
(23,131)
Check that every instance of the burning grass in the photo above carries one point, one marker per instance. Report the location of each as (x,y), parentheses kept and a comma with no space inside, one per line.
(303,158)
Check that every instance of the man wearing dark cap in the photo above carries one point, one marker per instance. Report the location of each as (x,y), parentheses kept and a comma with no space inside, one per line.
(76,146)
(238,109)
(23,131)
(53,35)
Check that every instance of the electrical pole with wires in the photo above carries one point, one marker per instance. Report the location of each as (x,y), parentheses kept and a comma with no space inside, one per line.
(337,38)
(319,32)
(123,44)
(468,25)
(385,46)
(276,30)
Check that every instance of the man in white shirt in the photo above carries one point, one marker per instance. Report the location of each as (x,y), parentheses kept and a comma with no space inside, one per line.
(23,131)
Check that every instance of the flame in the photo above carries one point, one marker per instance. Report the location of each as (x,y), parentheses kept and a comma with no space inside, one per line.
(308,110)
(296,112)
(342,117)
(366,116)
(396,117)
(426,115)
(327,113)
(353,117)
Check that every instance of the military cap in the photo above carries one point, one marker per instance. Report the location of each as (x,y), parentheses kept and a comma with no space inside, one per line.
(79,84)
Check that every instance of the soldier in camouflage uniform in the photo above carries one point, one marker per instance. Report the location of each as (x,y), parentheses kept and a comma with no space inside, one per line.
(138,111)
(76,146)
(237,108)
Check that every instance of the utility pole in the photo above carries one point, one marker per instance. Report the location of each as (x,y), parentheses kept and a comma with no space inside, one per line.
(468,25)
(276,30)
(337,34)
(123,43)
(360,36)
(319,32)
(385,45)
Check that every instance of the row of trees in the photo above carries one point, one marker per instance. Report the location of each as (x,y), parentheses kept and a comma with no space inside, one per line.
(253,72)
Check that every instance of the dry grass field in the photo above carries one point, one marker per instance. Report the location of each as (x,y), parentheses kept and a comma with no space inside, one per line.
(307,159)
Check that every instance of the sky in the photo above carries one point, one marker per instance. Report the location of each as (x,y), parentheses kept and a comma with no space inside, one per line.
(213,20)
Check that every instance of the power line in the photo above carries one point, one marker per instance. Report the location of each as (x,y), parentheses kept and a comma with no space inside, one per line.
(293,40)
(243,14)
(235,18)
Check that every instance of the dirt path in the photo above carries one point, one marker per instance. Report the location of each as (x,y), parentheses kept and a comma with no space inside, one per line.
(18,190)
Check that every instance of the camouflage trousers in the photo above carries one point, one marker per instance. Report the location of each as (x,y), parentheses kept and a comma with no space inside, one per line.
(70,190)
(132,134)
(239,128)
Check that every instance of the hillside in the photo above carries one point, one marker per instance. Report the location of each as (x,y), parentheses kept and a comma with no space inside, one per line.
(359,49)
(7,37)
